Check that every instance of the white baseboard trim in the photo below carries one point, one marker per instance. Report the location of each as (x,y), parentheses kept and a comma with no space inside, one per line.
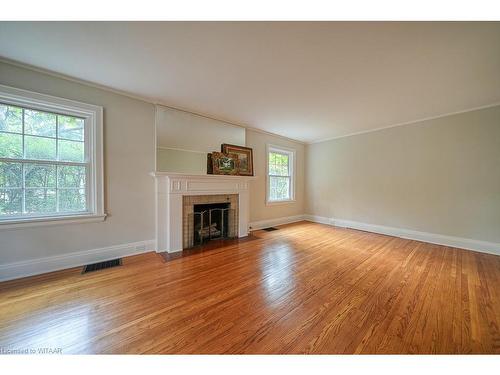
(318,219)
(32,267)
(439,239)
(256,225)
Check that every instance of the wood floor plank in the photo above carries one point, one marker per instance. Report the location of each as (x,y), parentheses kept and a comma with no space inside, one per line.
(305,288)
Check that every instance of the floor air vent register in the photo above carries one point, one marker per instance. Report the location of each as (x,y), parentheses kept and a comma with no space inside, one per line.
(270,229)
(102,265)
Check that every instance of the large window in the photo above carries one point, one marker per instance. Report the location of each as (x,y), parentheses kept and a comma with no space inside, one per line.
(280,174)
(50,151)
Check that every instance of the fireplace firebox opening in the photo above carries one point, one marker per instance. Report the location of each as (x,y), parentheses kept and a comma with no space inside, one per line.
(211,221)
(209,217)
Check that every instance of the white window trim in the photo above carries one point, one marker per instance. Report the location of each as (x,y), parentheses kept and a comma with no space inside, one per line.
(291,153)
(93,116)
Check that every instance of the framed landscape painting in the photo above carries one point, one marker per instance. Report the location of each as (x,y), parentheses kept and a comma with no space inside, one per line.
(245,156)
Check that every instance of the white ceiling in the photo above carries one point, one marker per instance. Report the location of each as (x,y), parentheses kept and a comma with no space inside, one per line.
(304,80)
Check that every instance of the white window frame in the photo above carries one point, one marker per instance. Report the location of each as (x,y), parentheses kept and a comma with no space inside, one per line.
(93,137)
(291,165)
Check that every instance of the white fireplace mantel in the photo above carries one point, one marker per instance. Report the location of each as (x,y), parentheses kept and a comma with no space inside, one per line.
(171,187)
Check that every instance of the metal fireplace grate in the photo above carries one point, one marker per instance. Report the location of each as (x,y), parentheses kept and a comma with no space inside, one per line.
(102,265)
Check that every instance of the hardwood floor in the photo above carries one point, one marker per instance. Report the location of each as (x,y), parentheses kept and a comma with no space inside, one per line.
(306,288)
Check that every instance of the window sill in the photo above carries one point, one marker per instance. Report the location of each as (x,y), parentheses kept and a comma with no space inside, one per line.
(50,220)
(276,203)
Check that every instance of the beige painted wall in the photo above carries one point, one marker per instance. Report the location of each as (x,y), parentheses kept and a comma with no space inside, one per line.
(181,161)
(258,208)
(439,176)
(129,155)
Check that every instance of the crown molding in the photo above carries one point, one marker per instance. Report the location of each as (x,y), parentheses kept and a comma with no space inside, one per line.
(407,123)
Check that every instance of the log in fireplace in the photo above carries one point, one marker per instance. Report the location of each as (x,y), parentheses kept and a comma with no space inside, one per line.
(211,221)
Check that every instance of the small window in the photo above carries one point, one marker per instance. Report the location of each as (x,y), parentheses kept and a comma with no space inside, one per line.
(50,158)
(280,174)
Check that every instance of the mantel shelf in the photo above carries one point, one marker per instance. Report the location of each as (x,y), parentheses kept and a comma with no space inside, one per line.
(201,176)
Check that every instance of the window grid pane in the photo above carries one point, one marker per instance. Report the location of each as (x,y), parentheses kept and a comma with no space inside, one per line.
(72,200)
(10,175)
(39,176)
(11,145)
(70,128)
(11,201)
(39,148)
(11,119)
(40,201)
(70,150)
(31,188)
(39,123)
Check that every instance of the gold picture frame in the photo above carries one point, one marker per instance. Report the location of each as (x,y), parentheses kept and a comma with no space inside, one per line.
(245,156)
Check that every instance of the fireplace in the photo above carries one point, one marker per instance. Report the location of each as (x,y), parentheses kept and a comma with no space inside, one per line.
(211,221)
(209,217)
(176,197)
